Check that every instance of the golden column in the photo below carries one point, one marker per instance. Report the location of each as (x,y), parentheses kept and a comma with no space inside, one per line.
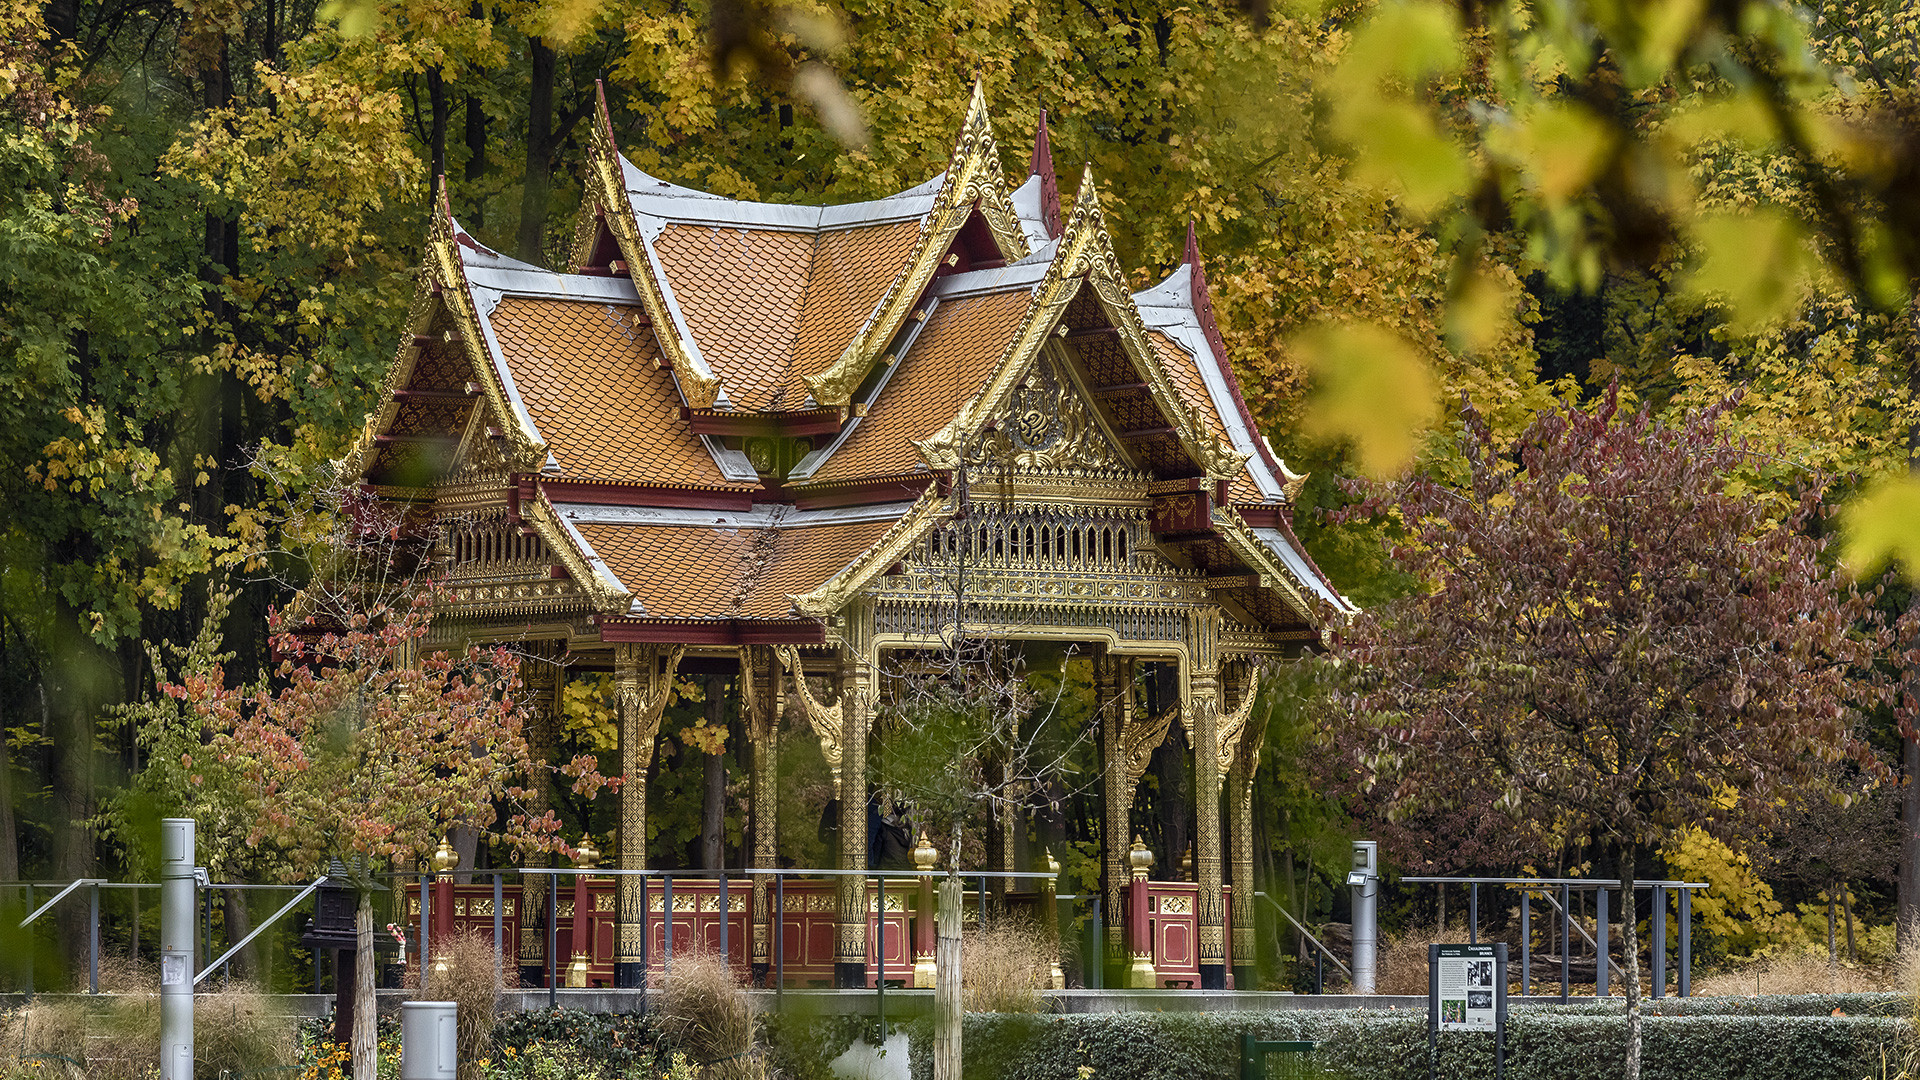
(645,684)
(1241,737)
(925,858)
(761,693)
(1203,726)
(1140,974)
(546,678)
(850,945)
(1113,698)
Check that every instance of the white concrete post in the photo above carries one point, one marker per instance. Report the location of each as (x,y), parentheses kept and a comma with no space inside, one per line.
(177,951)
(429,1042)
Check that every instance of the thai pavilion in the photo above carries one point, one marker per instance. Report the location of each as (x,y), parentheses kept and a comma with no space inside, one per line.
(740,433)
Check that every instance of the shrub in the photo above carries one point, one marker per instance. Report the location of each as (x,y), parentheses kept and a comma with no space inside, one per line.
(706,1013)
(1004,967)
(1385,1045)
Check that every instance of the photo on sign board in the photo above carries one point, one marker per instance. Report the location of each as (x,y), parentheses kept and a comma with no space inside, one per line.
(1453,1011)
(1479,999)
(1479,973)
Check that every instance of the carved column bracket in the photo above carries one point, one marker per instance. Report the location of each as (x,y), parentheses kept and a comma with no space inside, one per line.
(645,684)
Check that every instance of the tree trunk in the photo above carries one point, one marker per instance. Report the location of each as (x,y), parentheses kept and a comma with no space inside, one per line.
(365,1048)
(531,244)
(713,804)
(1846,904)
(1630,934)
(1833,952)
(239,925)
(946,994)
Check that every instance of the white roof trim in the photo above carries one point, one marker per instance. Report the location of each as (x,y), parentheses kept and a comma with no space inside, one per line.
(1168,308)
(1025,274)
(1026,207)
(810,464)
(1296,564)
(659,198)
(600,568)
(768,516)
(533,281)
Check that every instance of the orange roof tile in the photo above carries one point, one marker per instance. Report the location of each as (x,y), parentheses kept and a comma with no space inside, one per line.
(1185,375)
(587,377)
(744,573)
(950,361)
(766,306)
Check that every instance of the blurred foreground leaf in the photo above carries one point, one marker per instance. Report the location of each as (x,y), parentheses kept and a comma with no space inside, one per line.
(1883,525)
(1370,387)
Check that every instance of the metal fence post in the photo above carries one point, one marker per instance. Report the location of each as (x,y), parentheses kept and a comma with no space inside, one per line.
(426,916)
(725,918)
(553,939)
(779,937)
(93,940)
(1686,942)
(1526,942)
(1096,968)
(499,929)
(1473,914)
(1566,931)
(1600,942)
(666,902)
(1659,928)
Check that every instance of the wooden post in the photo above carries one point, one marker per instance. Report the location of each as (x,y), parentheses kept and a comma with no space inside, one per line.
(946,991)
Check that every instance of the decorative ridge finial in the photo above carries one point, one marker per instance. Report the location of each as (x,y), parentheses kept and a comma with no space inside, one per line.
(1191,257)
(1042,166)
(602,115)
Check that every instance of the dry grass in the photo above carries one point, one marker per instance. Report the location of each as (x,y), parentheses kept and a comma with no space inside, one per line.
(705,1010)
(1401,964)
(473,982)
(1800,971)
(118,1037)
(1004,967)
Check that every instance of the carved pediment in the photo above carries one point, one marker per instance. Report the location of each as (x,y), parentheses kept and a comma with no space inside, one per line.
(1048,425)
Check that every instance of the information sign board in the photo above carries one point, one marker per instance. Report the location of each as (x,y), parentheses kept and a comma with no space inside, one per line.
(1465,981)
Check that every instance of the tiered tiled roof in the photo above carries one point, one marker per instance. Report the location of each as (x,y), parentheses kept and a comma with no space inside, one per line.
(725,405)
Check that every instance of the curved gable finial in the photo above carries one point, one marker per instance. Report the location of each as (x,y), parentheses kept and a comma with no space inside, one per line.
(1042,166)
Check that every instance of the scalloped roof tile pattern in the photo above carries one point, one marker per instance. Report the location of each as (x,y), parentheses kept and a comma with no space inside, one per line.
(767,306)
(950,361)
(588,378)
(1184,373)
(750,571)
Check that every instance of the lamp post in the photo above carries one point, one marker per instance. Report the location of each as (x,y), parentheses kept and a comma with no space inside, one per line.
(584,858)
(925,858)
(1141,974)
(445,861)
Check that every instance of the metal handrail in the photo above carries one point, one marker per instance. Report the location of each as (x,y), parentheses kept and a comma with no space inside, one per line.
(1306,933)
(59,896)
(257,931)
(1582,882)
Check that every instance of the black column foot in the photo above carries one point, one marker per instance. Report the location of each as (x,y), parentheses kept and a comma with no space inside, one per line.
(1245,978)
(629,974)
(763,975)
(533,976)
(1213,976)
(850,976)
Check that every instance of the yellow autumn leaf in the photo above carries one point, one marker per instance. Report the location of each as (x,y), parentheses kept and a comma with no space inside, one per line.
(1371,387)
(1560,145)
(1758,263)
(1881,525)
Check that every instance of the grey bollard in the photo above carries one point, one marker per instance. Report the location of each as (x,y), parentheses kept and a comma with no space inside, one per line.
(1365,880)
(429,1045)
(176,948)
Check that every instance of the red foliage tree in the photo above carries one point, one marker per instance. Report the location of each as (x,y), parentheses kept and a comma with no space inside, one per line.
(1609,640)
(362,748)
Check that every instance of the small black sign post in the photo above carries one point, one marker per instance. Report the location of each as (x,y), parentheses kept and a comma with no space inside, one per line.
(1467,991)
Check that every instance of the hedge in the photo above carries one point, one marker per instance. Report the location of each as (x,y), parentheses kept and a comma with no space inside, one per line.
(1377,1045)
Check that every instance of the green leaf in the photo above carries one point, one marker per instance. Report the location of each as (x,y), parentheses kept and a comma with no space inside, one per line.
(1371,387)
(1883,525)
(1758,263)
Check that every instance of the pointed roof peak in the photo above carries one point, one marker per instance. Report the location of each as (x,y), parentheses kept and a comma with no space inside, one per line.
(602,116)
(1042,167)
(1191,257)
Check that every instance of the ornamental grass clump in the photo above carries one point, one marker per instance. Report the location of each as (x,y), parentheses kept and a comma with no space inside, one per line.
(472,980)
(117,1037)
(1007,964)
(705,1012)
